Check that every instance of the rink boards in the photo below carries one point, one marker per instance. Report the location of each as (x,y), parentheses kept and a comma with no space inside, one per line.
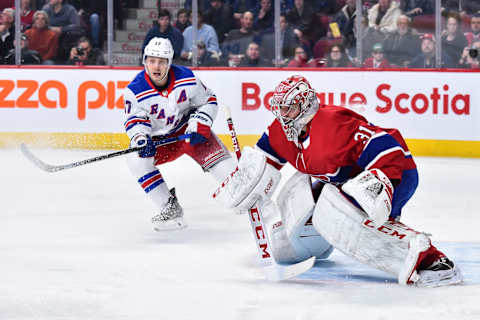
(83,108)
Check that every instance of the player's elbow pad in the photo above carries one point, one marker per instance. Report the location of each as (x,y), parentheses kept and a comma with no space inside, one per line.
(253,180)
(374,192)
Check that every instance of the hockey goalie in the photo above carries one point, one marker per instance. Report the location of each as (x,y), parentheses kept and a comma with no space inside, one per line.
(363,176)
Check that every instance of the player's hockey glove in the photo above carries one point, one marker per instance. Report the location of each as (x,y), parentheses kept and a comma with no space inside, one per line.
(199,127)
(141,140)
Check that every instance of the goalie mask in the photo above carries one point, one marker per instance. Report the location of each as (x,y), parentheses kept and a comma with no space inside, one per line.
(294,103)
(159,48)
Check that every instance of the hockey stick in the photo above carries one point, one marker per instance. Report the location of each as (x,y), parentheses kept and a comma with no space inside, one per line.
(54,168)
(273,270)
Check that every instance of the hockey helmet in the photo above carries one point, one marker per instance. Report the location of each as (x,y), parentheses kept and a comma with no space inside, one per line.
(295,92)
(160,48)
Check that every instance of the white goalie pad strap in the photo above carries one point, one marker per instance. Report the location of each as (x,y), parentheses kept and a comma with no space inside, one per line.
(296,204)
(253,180)
(373,191)
(349,230)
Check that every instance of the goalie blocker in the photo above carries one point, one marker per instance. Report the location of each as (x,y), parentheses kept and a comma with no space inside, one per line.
(389,246)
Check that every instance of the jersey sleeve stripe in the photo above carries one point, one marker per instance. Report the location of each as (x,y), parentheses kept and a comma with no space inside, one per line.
(383,154)
(379,144)
(132,122)
(212,100)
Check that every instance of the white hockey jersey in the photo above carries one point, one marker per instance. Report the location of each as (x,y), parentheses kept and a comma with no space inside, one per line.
(151,112)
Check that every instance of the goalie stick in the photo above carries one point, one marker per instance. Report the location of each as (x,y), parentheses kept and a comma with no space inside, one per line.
(273,270)
(54,168)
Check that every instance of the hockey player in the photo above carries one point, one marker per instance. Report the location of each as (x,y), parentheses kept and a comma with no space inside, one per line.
(364,176)
(167,100)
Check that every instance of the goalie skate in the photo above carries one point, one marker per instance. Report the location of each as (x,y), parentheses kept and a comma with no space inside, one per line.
(171,217)
(442,272)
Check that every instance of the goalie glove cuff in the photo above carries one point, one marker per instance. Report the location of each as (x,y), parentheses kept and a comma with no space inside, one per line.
(373,191)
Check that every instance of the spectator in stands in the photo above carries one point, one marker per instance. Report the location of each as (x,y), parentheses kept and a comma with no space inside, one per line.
(92,17)
(182,21)
(9,16)
(264,17)
(42,39)
(426,59)
(241,6)
(474,35)
(382,17)
(64,20)
(377,60)
(308,26)
(470,56)
(6,36)
(205,33)
(237,40)
(346,22)
(84,54)
(300,60)
(453,40)
(163,29)
(337,57)
(412,8)
(28,56)
(26,14)
(288,42)
(402,45)
(252,57)
(220,17)
(205,58)
(471,7)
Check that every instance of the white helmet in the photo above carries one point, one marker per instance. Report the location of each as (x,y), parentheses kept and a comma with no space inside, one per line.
(294,93)
(160,48)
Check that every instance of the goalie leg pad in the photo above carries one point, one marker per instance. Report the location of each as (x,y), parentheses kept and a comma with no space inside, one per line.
(348,229)
(253,181)
(296,204)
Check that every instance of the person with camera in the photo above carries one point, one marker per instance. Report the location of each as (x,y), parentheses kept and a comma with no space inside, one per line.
(28,56)
(83,54)
(470,56)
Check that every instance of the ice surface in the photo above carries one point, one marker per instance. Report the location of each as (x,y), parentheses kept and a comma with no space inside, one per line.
(78,244)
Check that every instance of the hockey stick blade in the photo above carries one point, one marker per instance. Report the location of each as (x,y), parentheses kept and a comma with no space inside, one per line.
(54,168)
(280,272)
(39,163)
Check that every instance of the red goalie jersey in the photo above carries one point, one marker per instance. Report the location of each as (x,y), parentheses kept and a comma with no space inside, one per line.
(338,144)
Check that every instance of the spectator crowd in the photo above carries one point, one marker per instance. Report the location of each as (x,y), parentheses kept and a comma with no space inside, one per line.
(240,33)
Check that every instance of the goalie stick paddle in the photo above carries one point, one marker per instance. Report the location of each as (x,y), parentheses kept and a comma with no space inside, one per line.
(54,168)
(273,270)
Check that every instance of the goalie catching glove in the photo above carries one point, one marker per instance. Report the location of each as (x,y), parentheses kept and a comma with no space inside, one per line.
(252,181)
(141,140)
(374,192)
(199,126)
